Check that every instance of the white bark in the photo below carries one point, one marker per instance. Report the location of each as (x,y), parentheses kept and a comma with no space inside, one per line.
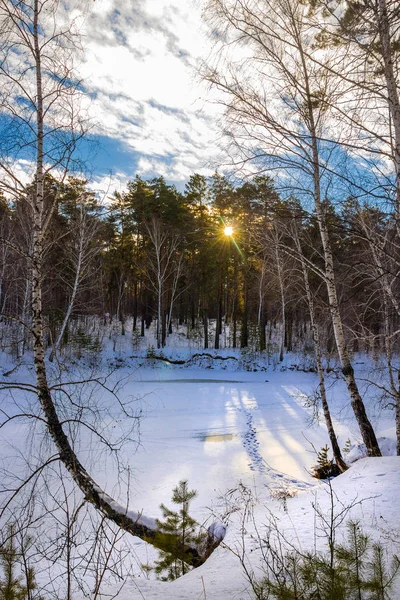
(80,251)
(178,268)
(318,356)
(366,428)
(281,116)
(386,38)
(282,294)
(24,314)
(261,291)
(165,245)
(37,43)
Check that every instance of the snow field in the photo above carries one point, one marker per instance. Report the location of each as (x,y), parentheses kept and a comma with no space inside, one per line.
(220,429)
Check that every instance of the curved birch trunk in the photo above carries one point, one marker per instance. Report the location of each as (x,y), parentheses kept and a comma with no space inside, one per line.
(133,523)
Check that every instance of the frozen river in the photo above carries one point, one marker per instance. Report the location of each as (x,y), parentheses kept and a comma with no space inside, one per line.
(218,429)
(213,428)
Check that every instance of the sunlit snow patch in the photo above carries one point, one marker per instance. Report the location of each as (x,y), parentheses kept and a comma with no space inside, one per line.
(215,437)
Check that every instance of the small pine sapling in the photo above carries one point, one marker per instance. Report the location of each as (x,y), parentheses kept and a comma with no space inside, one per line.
(175,534)
(354,570)
(347,447)
(381,574)
(352,556)
(11,587)
(325,466)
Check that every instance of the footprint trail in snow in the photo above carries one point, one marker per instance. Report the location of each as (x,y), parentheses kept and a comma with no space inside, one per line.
(251,445)
(257,462)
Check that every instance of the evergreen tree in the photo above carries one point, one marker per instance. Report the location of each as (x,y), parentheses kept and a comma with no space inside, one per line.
(354,570)
(11,587)
(175,533)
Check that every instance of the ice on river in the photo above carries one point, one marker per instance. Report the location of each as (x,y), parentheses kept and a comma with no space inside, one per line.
(215,431)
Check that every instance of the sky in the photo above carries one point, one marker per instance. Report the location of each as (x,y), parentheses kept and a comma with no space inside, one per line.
(147,103)
(150,114)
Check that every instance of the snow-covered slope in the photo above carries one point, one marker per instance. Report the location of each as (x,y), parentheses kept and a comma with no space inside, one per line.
(372,484)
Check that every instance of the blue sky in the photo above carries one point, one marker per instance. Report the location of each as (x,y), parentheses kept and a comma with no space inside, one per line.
(141,97)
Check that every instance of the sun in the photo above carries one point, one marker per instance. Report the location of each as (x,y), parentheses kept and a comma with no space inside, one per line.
(228,230)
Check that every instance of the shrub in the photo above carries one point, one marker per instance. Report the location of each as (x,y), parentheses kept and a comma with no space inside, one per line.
(355,570)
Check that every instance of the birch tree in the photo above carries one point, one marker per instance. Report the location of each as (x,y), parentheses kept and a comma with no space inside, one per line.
(80,249)
(38,47)
(277,99)
(305,269)
(162,265)
(379,233)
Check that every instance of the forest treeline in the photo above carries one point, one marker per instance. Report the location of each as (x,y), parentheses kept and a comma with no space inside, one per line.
(158,255)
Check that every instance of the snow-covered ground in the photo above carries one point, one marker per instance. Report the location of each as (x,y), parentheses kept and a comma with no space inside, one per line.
(226,430)
(375,482)
(217,429)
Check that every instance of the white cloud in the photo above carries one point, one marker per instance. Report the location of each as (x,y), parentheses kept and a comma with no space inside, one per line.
(105,186)
(140,71)
(22,174)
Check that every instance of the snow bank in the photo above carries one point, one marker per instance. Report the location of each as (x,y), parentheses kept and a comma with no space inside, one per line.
(371,484)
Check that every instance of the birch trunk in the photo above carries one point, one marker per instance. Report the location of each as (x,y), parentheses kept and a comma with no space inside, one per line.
(133,523)
(282,294)
(235,303)
(205,328)
(394,108)
(357,404)
(318,359)
(159,312)
(174,294)
(260,312)
(393,95)
(366,428)
(22,328)
(4,267)
(395,389)
(68,457)
(244,331)
(69,308)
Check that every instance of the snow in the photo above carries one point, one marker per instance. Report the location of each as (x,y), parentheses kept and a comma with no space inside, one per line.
(374,481)
(217,429)
(214,431)
(138,518)
(228,431)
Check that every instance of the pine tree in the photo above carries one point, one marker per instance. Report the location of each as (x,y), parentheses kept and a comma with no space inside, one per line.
(325,466)
(354,570)
(175,533)
(11,587)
